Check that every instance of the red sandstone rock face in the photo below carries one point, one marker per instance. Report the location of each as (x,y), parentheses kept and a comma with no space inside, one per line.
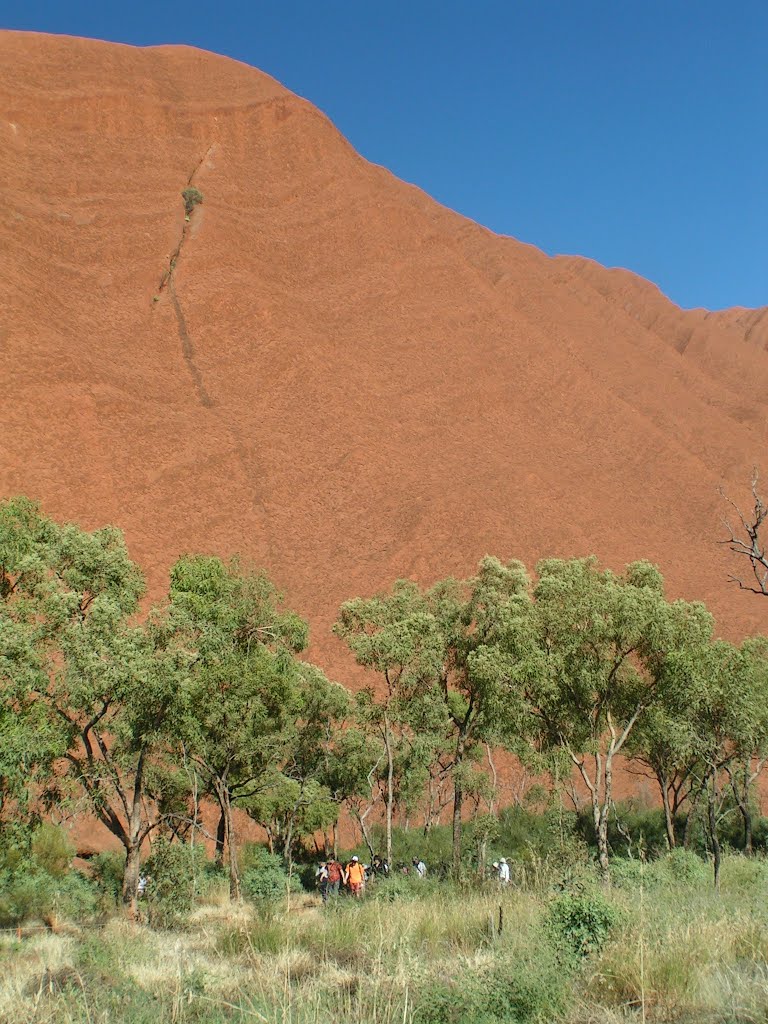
(346,381)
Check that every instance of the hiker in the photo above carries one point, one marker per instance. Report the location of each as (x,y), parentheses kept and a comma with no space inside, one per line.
(379,867)
(142,885)
(504,871)
(321,874)
(356,877)
(421,867)
(335,877)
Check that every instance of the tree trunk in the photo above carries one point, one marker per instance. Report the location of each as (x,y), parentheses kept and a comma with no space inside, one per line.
(669,822)
(747,813)
(364,831)
(220,837)
(131,839)
(693,803)
(390,786)
(741,790)
(458,799)
(335,840)
(225,803)
(712,822)
(600,822)
(130,892)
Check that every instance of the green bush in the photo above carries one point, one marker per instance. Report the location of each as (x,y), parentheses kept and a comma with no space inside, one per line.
(682,866)
(192,197)
(512,992)
(107,870)
(176,875)
(529,990)
(580,922)
(265,878)
(627,874)
(406,887)
(29,894)
(52,849)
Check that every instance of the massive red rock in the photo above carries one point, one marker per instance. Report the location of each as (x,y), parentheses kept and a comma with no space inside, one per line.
(342,380)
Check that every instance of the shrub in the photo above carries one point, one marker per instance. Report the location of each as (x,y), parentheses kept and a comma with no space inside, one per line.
(528,990)
(512,992)
(580,922)
(52,849)
(30,893)
(192,197)
(627,874)
(406,887)
(175,872)
(682,866)
(265,878)
(107,870)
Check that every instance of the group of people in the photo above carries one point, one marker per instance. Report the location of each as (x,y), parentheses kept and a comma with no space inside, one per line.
(331,875)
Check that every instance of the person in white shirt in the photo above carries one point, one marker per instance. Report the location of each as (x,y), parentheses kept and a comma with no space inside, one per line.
(504,871)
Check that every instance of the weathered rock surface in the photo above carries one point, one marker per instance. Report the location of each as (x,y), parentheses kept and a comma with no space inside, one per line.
(342,380)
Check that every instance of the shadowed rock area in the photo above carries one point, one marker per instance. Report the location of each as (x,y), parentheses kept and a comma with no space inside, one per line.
(323,368)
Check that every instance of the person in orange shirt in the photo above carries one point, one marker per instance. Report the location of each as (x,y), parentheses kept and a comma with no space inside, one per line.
(356,877)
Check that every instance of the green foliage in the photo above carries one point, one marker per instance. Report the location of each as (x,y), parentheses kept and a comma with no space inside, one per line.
(247,693)
(681,865)
(30,894)
(580,922)
(107,869)
(265,877)
(102,687)
(442,683)
(520,991)
(52,849)
(192,197)
(176,876)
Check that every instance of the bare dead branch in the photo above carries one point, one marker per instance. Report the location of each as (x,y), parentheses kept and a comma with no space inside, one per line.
(747,541)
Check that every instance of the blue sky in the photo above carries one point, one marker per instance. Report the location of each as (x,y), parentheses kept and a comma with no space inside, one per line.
(631,131)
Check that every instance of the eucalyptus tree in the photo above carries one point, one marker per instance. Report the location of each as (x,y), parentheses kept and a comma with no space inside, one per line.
(423,643)
(394,635)
(296,801)
(595,655)
(244,692)
(751,734)
(104,688)
(29,744)
(352,775)
(664,742)
(725,700)
(31,741)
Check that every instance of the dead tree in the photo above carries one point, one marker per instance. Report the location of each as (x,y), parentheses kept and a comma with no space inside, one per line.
(745,539)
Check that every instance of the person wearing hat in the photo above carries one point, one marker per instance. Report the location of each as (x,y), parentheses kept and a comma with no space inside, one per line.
(356,877)
(504,871)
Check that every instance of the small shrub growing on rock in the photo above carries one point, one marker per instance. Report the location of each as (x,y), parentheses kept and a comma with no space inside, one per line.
(192,197)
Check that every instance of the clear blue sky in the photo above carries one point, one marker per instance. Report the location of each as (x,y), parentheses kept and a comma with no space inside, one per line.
(631,131)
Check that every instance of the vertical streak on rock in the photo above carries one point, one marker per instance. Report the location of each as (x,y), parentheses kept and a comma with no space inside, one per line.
(187,348)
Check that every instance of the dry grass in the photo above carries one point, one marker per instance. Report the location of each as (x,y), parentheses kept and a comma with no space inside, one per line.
(681,954)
